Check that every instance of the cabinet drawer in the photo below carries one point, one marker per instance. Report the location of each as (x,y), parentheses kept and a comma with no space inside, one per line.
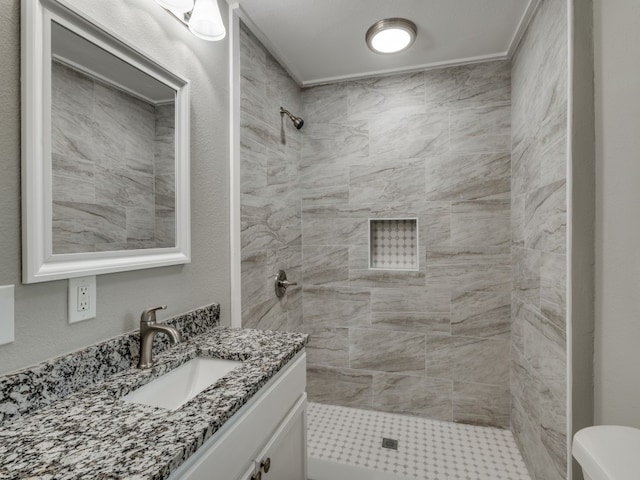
(231,450)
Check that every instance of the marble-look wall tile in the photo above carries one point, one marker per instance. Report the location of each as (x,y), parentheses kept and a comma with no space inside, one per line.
(412,321)
(254,287)
(481,129)
(481,314)
(326,103)
(141,225)
(468,177)
(165,175)
(111,152)
(325,265)
(470,277)
(526,275)
(389,181)
(387,351)
(477,255)
(334,142)
(332,195)
(469,85)
(435,223)
(553,292)
(410,299)
(481,361)
(409,132)
(376,95)
(468,359)
(429,397)
(337,306)
(327,346)
(538,422)
(73,178)
(517,221)
(546,219)
(271,222)
(75,223)
(481,404)
(270,219)
(345,387)
(518,318)
(388,278)
(544,349)
(539,85)
(124,187)
(481,222)
(165,227)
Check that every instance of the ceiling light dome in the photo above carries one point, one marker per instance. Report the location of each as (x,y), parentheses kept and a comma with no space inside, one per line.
(391,35)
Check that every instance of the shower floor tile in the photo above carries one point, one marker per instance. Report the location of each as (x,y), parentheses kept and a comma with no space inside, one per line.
(427,449)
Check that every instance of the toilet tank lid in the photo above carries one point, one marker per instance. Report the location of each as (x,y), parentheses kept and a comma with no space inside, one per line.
(608,452)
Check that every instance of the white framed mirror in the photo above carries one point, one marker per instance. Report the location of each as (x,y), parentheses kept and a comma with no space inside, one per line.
(105,151)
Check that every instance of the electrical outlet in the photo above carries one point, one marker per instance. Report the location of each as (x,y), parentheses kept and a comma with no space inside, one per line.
(82,299)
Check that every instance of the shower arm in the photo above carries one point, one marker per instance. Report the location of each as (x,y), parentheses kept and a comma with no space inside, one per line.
(284,112)
(297,121)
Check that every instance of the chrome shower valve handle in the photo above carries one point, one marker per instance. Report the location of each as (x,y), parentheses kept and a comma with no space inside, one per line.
(281,283)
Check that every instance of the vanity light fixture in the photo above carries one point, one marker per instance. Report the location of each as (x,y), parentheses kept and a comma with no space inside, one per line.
(202,17)
(391,35)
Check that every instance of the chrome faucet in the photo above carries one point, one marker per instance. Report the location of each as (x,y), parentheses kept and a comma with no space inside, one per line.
(148,330)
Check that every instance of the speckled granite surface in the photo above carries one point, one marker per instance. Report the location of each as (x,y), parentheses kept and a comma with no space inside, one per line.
(34,387)
(93,434)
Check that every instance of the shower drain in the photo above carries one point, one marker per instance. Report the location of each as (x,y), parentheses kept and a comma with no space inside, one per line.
(390,443)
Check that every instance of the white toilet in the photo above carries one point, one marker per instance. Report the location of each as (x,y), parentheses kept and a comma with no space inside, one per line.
(608,452)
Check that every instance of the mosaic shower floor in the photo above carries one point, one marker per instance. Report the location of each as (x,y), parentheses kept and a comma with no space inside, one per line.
(347,443)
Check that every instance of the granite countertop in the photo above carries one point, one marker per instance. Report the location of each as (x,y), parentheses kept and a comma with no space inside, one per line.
(93,434)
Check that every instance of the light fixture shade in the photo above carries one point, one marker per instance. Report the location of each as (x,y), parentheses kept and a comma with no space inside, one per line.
(206,21)
(391,35)
(179,6)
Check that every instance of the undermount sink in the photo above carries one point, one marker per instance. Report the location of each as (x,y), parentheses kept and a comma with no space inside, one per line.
(180,385)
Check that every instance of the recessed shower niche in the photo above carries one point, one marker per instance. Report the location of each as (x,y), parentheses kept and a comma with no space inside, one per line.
(393,244)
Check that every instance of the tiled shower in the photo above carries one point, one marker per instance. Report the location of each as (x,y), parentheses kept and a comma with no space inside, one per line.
(474,332)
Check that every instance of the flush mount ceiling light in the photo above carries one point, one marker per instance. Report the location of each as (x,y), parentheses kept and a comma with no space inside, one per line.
(391,35)
(202,17)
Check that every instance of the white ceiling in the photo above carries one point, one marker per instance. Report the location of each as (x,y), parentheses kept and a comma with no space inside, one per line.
(321,41)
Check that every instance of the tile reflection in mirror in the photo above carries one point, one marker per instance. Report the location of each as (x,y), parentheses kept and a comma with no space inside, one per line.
(112,151)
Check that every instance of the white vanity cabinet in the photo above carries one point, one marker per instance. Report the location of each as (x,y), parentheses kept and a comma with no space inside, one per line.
(265,439)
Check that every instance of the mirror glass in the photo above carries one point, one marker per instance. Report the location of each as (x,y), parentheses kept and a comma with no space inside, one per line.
(105,150)
(112,151)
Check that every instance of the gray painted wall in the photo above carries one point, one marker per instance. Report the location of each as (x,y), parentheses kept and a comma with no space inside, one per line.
(42,330)
(617,77)
(539,238)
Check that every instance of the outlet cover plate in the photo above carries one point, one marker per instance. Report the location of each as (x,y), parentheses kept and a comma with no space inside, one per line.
(74,313)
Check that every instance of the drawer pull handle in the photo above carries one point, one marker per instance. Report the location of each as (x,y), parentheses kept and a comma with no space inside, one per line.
(257,475)
(266,465)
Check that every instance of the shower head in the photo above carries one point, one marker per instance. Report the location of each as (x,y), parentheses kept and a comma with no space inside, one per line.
(297,121)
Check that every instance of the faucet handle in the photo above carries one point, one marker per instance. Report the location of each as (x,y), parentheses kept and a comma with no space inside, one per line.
(149,314)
